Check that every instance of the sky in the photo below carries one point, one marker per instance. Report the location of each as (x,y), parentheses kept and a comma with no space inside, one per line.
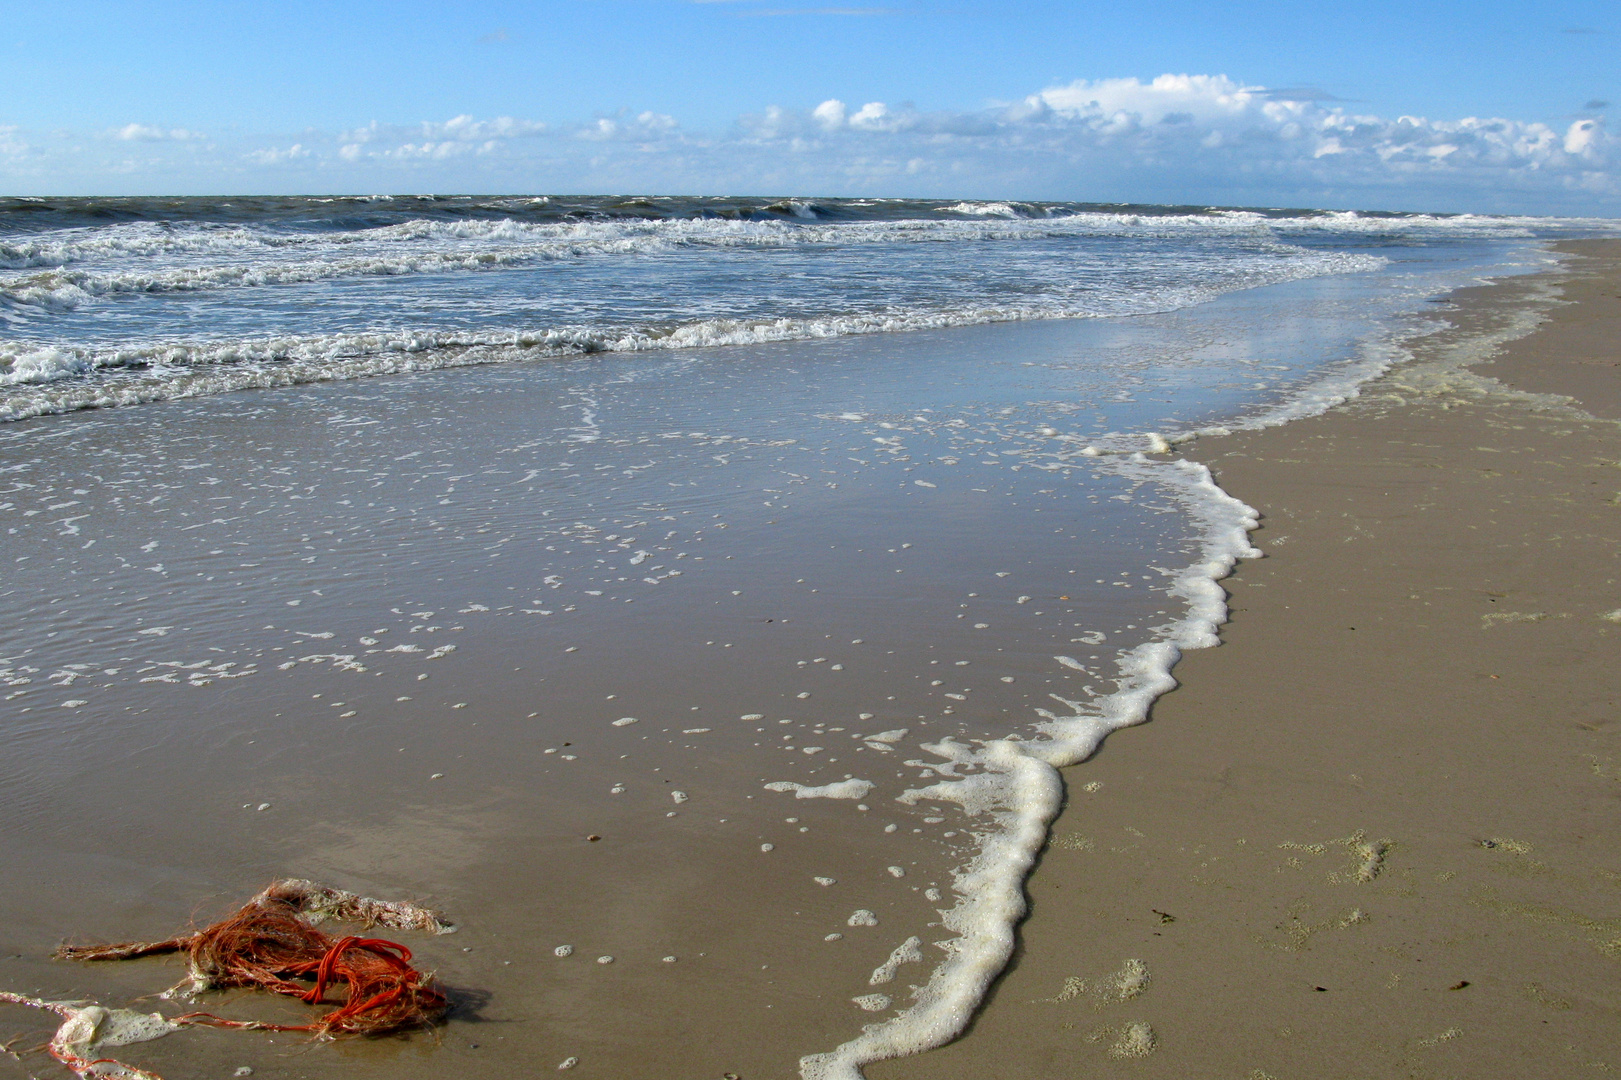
(1497,106)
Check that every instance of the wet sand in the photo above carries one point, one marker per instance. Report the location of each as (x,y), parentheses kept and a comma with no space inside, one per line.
(527,643)
(1378,831)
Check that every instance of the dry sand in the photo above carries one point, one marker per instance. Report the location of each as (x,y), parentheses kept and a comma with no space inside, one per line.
(1378,832)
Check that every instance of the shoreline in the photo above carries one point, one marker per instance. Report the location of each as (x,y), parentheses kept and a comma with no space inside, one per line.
(1312,853)
(499,828)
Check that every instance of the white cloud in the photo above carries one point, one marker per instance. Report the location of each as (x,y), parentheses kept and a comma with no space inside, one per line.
(147,133)
(875,116)
(275,156)
(1192,138)
(1175,138)
(639,128)
(462,128)
(1580,136)
(466,129)
(830,114)
(651,122)
(436,151)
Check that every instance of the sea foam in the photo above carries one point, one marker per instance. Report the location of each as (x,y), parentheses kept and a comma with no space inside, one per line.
(1017,787)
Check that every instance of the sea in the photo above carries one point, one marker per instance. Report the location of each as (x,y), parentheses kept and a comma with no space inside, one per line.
(582,564)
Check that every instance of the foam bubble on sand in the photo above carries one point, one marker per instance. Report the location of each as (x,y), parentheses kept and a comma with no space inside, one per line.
(861,917)
(909,951)
(1017,784)
(844,789)
(625,721)
(1136,1040)
(87,1028)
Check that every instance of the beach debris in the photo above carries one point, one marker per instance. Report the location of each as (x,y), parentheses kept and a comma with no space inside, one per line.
(271,943)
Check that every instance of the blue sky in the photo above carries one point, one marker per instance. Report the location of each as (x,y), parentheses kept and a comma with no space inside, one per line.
(1505,103)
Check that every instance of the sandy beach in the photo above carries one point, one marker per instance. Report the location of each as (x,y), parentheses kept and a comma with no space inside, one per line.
(655,671)
(1375,833)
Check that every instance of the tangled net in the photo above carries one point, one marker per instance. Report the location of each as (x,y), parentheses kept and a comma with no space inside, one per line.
(270,942)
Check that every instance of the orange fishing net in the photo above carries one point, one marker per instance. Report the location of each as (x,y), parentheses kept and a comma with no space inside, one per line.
(270,944)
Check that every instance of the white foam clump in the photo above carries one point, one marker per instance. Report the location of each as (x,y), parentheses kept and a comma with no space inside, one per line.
(861,917)
(885,740)
(87,1028)
(1017,784)
(843,789)
(909,951)
(625,721)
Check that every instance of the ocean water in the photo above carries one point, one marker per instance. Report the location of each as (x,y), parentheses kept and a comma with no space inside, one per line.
(123,301)
(788,548)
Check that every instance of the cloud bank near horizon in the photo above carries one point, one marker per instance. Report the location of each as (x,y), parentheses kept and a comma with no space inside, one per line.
(1176,138)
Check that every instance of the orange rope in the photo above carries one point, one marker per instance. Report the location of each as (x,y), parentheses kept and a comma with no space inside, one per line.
(266,944)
